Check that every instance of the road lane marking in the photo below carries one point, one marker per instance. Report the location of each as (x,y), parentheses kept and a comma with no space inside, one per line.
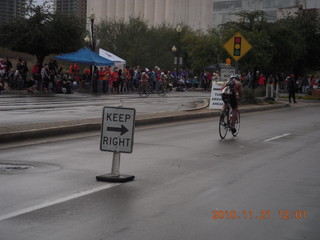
(277,137)
(57,201)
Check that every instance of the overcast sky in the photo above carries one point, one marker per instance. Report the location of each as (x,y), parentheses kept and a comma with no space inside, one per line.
(313,3)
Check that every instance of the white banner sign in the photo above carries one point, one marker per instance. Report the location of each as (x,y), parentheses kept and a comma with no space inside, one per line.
(215,99)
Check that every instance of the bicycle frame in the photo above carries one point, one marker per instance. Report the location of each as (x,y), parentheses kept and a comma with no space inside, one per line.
(162,88)
(225,122)
(144,89)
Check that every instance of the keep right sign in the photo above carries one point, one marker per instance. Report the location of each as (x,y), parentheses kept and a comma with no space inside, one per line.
(117,129)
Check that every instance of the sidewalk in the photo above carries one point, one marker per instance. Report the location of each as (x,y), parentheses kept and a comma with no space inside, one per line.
(40,130)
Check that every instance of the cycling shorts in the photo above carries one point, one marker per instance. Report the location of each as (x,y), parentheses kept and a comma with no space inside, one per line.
(230,98)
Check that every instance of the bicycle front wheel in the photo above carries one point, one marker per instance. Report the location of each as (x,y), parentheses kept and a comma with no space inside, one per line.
(223,125)
(147,91)
(143,91)
(237,124)
(162,91)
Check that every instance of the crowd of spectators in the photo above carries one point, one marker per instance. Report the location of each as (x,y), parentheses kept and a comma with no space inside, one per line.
(50,78)
(126,80)
(304,83)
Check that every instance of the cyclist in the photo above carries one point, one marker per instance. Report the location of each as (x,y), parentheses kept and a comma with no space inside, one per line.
(232,90)
(144,79)
(163,80)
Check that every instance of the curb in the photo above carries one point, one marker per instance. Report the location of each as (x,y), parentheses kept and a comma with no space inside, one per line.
(48,132)
(141,120)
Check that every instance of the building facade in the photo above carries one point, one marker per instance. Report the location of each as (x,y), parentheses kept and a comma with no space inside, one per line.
(71,7)
(223,10)
(11,9)
(195,13)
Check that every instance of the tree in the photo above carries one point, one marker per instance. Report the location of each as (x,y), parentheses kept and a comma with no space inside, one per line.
(42,33)
(254,27)
(288,45)
(124,39)
(250,20)
(202,49)
(308,26)
(137,43)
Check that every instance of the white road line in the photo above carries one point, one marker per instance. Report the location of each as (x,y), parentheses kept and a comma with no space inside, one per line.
(57,201)
(277,137)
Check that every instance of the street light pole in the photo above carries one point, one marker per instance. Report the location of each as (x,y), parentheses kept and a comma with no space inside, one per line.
(174,50)
(92,18)
(179,30)
(177,49)
(93,46)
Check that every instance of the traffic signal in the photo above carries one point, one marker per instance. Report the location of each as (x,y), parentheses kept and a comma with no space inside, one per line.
(237,46)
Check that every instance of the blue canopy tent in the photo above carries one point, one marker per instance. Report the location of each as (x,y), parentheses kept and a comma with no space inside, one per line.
(88,57)
(85,56)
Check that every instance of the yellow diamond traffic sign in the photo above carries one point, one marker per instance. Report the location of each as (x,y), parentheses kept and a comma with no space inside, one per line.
(237,46)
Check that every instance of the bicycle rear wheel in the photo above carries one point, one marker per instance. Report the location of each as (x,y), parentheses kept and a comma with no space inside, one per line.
(237,124)
(140,91)
(223,125)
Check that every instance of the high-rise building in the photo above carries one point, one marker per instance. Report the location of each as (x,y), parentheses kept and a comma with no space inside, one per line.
(71,7)
(11,9)
(223,10)
(194,13)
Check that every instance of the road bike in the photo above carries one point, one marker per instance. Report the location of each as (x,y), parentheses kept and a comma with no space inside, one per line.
(225,121)
(162,91)
(144,89)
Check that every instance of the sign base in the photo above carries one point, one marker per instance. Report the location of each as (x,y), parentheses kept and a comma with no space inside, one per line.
(116,179)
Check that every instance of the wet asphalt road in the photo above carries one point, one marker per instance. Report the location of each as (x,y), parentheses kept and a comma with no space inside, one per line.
(28,109)
(185,176)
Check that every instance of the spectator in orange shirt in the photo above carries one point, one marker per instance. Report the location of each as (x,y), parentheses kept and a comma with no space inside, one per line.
(101,77)
(114,77)
(108,80)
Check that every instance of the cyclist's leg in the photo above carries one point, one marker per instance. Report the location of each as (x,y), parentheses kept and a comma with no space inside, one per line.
(235,129)
(141,88)
(234,116)
(148,87)
(234,105)
(225,103)
(224,107)
(161,90)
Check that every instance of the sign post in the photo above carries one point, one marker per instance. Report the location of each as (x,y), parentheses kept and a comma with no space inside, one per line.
(117,136)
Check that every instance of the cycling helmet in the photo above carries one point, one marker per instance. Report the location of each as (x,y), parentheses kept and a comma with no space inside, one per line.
(235,76)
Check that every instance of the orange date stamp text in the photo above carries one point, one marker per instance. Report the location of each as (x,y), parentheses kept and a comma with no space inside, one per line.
(258,214)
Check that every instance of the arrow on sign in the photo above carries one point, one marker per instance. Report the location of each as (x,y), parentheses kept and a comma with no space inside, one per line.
(122,130)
